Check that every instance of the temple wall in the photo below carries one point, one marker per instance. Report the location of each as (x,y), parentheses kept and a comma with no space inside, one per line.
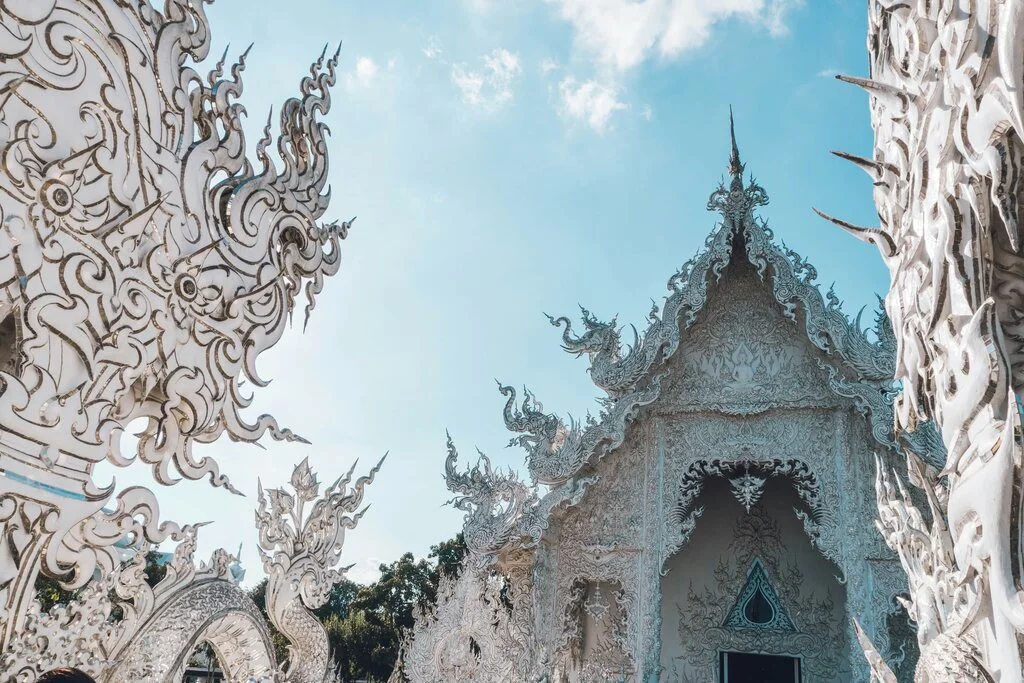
(704,580)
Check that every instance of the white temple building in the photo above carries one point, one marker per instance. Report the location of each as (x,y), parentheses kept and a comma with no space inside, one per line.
(716,521)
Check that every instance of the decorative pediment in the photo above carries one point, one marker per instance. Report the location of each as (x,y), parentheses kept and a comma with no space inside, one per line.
(743,356)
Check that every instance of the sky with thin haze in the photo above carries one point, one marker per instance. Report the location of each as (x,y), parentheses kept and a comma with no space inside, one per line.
(507,159)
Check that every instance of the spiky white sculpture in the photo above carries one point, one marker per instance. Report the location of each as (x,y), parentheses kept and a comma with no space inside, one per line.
(947,98)
(145,264)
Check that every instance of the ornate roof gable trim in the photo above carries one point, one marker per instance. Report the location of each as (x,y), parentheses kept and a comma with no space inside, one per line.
(861,369)
(557,450)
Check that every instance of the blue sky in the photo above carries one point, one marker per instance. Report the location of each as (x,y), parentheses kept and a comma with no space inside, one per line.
(507,159)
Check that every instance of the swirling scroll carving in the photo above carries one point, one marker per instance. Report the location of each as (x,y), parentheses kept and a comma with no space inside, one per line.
(145,262)
(946,109)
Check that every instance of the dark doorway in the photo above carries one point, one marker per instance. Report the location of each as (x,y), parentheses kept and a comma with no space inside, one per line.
(743,667)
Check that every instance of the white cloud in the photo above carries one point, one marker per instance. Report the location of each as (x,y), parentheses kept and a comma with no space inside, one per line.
(366,572)
(491,86)
(363,75)
(366,72)
(548,65)
(828,73)
(590,102)
(646,112)
(434,50)
(622,34)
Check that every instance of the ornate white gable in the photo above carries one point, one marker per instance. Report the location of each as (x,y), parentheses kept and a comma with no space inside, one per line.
(747,374)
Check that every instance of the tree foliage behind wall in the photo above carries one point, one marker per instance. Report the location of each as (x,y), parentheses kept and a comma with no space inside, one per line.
(365,640)
(365,623)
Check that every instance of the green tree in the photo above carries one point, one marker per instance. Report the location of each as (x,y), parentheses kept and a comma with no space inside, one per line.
(449,556)
(339,601)
(382,611)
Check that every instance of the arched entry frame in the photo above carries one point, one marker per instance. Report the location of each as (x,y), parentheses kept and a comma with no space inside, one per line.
(214,611)
(756,539)
(747,478)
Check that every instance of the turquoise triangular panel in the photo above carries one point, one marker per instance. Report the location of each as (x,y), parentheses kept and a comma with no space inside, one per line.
(758,604)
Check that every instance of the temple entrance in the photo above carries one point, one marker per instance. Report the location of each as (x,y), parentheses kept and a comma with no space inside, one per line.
(744,667)
(750,581)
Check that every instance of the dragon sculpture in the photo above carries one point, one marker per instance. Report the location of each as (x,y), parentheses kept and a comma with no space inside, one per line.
(945,89)
(299,555)
(556,451)
(494,504)
(611,370)
(145,264)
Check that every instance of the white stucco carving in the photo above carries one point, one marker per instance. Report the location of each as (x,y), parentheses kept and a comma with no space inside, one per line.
(946,106)
(747,376)
(145,264)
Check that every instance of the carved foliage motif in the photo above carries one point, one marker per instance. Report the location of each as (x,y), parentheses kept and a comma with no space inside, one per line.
(743,359)
(300,553)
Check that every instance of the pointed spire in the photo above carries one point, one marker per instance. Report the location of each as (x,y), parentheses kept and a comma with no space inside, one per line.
(736,202)
(735,165)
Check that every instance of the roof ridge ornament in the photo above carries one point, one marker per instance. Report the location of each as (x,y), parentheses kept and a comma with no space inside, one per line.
(736,203)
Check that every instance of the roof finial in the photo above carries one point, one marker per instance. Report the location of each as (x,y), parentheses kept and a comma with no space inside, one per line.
(735,165)
(735,201)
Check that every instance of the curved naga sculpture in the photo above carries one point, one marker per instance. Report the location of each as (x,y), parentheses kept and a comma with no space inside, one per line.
(494,504)
(145,264)
(610,368)
(160,626)
(946,87)
(301,567)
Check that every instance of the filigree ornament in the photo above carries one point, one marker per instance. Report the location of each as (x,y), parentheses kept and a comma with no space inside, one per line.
(478,631)
(818,519)
(157,627)
(946,108)
(494,504)
(145,262)
(747,489)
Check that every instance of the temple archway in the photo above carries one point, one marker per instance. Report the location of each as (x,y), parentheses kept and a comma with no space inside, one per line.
(217,612)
